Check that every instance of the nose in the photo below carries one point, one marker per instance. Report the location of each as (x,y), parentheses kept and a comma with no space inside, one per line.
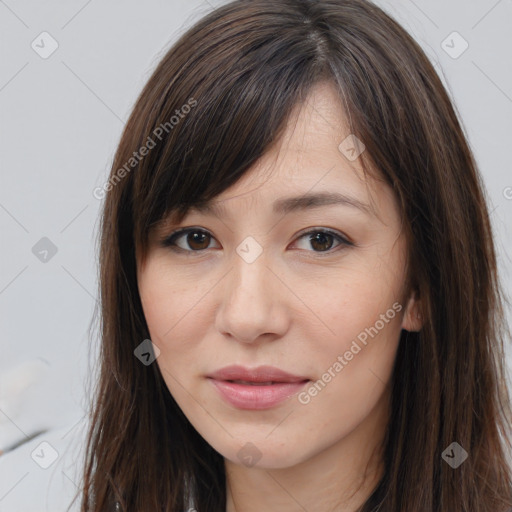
(252,302)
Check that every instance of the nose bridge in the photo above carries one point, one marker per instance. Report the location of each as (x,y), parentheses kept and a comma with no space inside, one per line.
(249,279)
(250,303)
(249,285)
(250,272)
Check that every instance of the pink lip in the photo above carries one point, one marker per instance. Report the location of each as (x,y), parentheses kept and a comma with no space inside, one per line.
(254,396)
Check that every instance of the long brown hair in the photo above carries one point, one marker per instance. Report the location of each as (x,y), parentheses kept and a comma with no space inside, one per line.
(217,101)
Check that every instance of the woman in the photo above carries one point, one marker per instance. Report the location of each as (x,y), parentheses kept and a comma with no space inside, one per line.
(299,297)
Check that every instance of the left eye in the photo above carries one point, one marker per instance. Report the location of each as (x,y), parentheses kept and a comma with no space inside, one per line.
(198,240)
(323,240)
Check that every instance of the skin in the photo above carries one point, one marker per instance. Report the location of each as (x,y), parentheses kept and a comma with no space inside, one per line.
(297,307)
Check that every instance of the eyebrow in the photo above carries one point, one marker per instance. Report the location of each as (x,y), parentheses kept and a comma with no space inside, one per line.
(289,204)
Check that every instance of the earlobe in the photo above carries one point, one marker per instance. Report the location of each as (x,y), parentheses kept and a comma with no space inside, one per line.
(412,319)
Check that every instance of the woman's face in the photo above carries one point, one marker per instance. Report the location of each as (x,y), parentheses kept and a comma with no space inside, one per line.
(312,287)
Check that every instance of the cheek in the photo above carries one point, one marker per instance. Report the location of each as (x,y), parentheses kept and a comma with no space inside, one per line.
(175,333)
(343,305)
(353,368)
(176,317)
(169,301)
(356,331)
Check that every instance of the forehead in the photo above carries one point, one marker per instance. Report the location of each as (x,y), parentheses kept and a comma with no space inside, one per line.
(306,160)
(310,158)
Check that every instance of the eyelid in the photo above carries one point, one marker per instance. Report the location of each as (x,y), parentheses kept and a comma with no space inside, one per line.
(168,240)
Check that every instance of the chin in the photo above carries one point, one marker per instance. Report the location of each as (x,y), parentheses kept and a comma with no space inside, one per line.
(262,454)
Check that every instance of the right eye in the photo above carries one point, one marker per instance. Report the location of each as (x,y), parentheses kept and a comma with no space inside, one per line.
(196,239)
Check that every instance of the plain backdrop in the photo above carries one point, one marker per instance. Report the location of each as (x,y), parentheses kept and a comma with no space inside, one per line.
(61,118)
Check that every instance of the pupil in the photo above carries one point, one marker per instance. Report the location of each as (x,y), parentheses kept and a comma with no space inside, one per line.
(321,237)
(195,237)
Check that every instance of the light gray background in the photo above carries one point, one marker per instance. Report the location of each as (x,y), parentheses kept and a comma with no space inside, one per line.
(61,119)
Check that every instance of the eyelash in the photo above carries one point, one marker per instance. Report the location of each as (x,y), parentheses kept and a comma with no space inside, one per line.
(169,241)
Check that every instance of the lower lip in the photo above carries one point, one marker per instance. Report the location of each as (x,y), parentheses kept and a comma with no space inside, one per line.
(247,396)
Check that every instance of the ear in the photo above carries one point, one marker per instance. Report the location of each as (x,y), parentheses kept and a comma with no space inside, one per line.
(412,319)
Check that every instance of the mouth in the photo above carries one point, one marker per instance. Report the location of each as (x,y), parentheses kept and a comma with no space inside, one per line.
(253,383)
(261,375)
(259,388)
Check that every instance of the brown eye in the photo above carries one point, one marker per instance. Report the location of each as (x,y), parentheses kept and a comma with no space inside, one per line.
(191,240)
(321,240)
(198,240)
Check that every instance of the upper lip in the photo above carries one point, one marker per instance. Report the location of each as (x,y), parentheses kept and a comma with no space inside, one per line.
(258,374)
